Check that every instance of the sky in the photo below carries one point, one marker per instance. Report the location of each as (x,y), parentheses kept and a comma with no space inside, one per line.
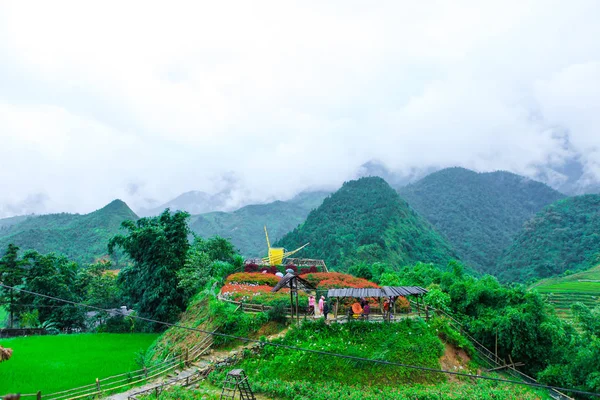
(143,100)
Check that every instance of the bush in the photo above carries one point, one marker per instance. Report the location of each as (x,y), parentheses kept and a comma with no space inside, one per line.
(253,278)
(278,313)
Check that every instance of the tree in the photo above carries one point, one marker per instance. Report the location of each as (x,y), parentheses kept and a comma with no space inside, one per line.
(53,275)
(213,258)
(11,274)
(158,247)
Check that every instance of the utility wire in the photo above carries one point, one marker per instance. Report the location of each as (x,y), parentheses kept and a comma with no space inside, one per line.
(320,352)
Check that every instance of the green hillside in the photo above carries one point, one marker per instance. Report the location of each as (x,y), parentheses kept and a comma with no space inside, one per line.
(244,227)
(564,291)
(564,236)
(479,213)
(366,221)
(81,238)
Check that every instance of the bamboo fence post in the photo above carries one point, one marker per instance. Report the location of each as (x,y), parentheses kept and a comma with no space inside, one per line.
(38,396)
(98,384)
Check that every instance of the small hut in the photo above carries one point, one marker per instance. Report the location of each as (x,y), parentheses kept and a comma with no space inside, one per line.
(294,283)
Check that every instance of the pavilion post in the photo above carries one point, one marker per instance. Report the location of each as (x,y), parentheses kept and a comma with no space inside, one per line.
(337,304)
(418,308)
(291,301)
(297,308)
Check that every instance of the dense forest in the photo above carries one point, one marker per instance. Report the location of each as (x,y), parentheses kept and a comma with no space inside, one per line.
(82,238)
(564,236)
(244,227)
(479,213)
(365,222)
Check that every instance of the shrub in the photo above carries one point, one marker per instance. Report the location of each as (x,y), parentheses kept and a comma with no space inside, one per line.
(251,267)
(253,278)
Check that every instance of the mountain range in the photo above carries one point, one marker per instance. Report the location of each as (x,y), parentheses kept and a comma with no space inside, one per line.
(479,213)
(244,227)
(563,236)
(366,221)
(82,238)
(499,223)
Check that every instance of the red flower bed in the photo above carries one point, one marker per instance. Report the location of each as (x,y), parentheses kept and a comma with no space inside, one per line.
(245,289)
(253,278)
(260,294)
(335,280)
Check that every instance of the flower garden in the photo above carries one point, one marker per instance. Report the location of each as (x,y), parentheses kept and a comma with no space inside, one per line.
(255,287)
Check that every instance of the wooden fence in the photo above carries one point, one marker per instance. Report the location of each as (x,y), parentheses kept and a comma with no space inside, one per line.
(14,332)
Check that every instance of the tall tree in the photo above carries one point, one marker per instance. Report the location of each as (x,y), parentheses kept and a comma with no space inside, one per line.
(11,274)
(53,275)
(158,247)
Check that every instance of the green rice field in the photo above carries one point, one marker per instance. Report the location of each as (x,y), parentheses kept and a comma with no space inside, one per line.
(55,363)
(581,287)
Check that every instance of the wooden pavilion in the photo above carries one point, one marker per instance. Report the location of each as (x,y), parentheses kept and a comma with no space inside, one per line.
(386,291)
(294,283)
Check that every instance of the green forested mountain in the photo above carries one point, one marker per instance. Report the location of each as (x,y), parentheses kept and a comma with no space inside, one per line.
(244,227)
(82,238)
(479,213)
(366,221)
(563,236)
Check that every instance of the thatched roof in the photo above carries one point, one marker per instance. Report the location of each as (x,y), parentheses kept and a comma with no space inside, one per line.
(386,291)
(295,281)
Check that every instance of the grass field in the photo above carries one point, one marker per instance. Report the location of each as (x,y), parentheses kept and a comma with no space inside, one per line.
(55,363)
(582,287)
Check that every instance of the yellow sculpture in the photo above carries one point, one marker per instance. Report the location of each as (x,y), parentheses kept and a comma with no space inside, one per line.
(277,254)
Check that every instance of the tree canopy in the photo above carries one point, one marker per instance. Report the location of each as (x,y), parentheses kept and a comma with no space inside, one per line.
(158,247)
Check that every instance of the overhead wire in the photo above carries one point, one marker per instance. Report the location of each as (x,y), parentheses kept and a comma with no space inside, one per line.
(319,352)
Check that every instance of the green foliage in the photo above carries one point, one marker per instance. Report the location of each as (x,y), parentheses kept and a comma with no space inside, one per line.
(411,341)
(98,286)
(206,261)
(244,227)
(81,238)
(563,236)
(366,222)
(11,274)
(54,363)
(479,213)
(307,390)
(158,247)
(438,299)
(55,276)
(528,330)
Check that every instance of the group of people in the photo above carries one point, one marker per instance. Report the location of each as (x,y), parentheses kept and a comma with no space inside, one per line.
(322,309)
(359,309)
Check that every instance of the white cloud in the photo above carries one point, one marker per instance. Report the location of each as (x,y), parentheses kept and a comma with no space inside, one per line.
(98,98)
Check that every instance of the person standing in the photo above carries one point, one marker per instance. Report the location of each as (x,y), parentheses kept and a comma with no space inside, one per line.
(311,305)
(326,309)
(321,304)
